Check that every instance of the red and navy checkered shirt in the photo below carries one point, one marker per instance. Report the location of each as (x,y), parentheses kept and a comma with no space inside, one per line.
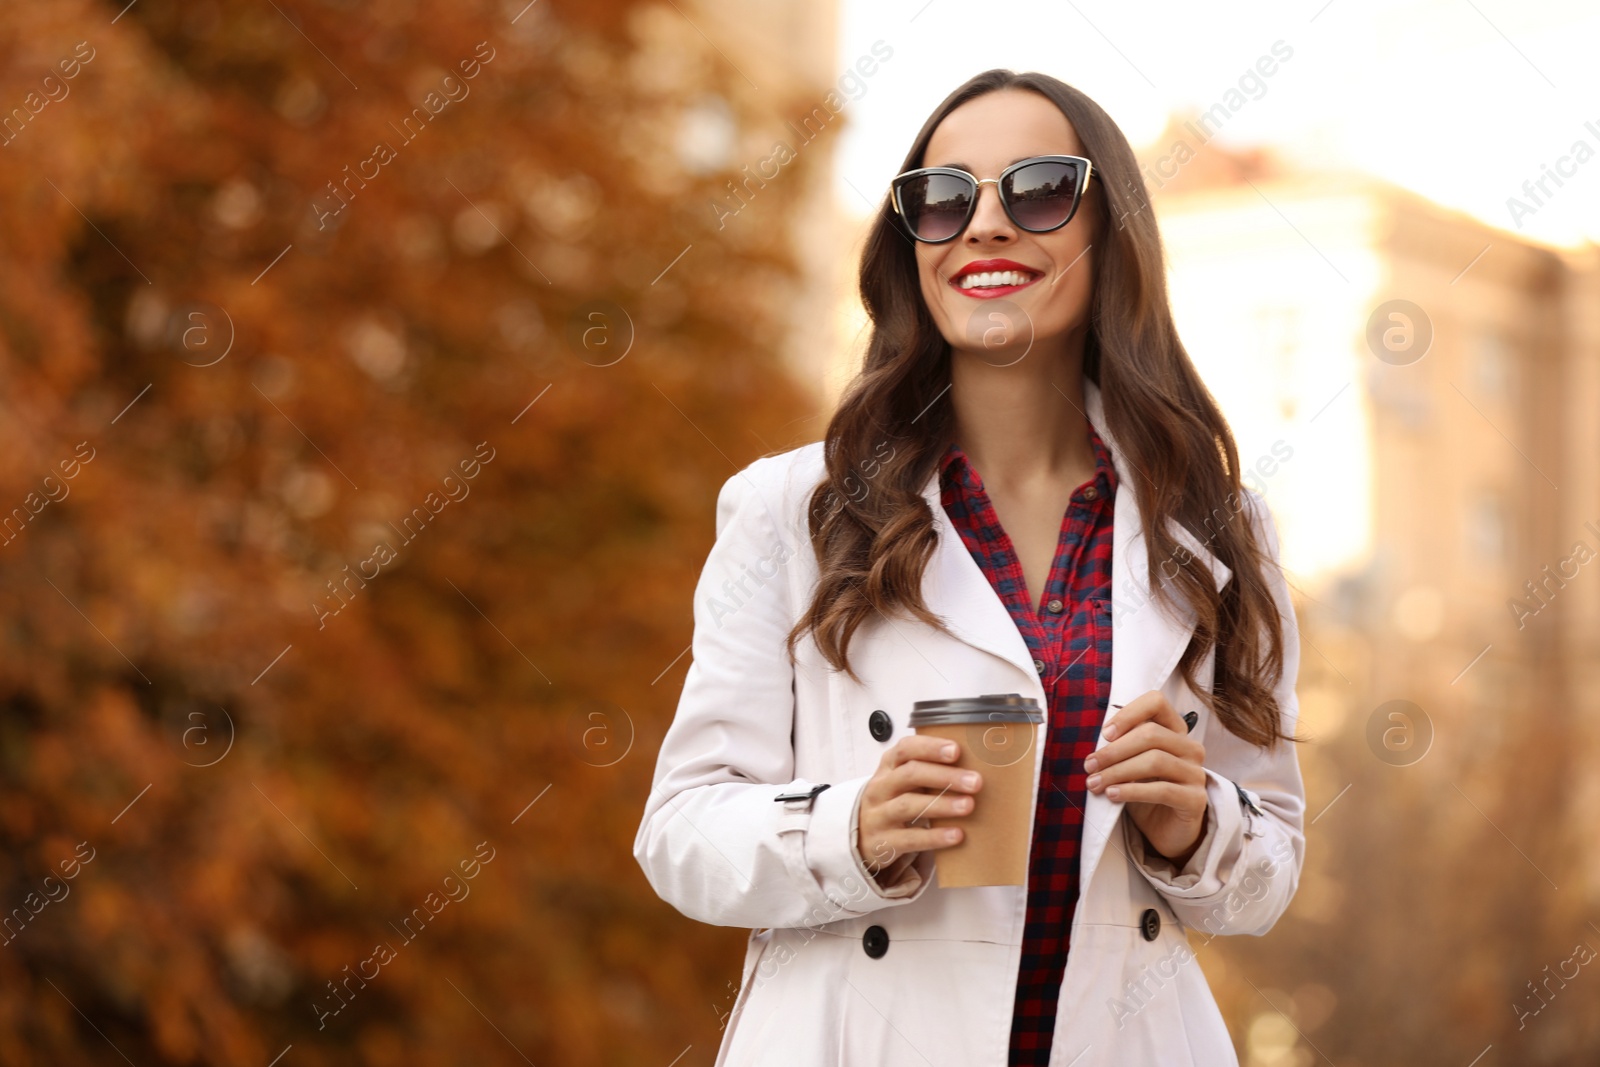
(1069,634)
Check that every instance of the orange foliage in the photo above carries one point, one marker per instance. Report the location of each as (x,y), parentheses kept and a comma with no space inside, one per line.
(271,389)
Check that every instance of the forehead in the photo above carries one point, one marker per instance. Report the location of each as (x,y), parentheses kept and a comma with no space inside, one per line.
(989,133)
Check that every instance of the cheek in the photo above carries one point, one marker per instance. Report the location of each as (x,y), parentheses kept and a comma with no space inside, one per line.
(1067,245)
(1072,291)
(932,285)
(1069,303)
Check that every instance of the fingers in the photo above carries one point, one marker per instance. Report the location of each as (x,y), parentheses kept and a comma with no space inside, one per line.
(1181,798)
(920,747)
(1147,707)
(934,778)
(892,845)
(1144,738)
(914,807)
(1152,764)
(1146,723)
(916,781)
(921,763)
(882,846)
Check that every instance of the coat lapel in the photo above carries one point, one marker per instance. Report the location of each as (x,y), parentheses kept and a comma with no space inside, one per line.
(1147,641)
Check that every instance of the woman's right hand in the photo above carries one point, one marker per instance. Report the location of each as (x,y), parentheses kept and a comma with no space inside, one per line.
(914,781)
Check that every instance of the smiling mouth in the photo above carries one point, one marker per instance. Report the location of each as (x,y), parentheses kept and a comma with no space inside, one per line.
(992,283)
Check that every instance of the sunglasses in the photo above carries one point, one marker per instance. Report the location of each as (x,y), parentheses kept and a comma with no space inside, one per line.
(1039,194)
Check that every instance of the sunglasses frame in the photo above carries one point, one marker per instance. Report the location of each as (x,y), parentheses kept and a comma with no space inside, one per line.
(899,181)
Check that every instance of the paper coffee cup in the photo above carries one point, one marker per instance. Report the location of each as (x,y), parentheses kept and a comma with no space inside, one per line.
(996,735)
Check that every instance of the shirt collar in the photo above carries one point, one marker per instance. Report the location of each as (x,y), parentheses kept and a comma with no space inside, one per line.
(954,465)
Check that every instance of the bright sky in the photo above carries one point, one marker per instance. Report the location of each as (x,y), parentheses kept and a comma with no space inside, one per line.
(1460,100)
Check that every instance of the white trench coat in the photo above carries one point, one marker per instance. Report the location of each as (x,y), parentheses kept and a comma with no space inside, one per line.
(839,971)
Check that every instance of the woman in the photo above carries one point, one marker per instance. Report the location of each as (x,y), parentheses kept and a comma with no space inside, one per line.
(1106,562)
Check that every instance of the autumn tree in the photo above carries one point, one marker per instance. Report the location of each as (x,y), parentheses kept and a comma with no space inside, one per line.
(369,373)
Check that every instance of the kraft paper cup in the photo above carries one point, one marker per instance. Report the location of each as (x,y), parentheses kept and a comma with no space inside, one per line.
(996,735)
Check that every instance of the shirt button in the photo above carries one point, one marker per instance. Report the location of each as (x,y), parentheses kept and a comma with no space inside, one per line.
(1055,606)
(880,725)
(1038,665)
(1090,493)
(875,942)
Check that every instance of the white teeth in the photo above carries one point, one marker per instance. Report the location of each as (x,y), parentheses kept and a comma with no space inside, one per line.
(993,279)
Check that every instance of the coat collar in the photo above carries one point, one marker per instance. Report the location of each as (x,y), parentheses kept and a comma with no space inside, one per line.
(961,594)
(1147,641)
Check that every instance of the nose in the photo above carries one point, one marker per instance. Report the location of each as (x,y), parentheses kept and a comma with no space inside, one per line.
(990,223)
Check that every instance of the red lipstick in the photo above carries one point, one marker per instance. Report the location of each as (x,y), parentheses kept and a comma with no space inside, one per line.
(1028,275)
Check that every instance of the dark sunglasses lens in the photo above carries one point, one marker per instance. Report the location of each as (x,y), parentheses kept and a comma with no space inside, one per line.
(1041,194)
(936,205)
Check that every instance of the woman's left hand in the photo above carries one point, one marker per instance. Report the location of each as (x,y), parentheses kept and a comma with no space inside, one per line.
(1152,763)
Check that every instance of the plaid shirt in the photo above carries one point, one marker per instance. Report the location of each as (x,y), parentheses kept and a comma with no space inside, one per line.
(1071,645)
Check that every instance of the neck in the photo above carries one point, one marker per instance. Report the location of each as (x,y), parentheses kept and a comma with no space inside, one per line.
(1026,422)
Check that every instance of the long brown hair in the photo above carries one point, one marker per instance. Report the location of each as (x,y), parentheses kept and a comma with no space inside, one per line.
(873,531)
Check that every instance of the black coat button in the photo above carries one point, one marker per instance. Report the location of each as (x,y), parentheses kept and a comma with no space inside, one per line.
(875,942)
(1150,924)
(881,725)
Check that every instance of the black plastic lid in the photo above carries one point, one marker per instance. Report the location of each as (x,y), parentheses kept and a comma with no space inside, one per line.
(991,708)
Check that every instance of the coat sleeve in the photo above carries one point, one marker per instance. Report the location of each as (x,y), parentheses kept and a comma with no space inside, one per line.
(1247,864)
(715,843)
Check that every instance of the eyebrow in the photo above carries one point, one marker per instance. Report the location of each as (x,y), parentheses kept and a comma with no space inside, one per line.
(968,167)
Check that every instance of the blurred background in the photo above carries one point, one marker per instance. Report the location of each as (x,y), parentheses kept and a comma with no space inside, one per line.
(368,374)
